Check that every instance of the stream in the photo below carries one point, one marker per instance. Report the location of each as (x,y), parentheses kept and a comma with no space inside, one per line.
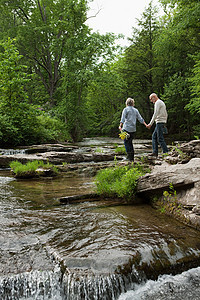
(90,250)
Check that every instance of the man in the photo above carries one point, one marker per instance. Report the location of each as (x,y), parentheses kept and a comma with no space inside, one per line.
(160,117)
(129,117)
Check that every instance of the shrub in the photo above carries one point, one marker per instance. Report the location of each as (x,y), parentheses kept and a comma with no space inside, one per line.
(119,181)
(29,170)
(120,150)
(51,129)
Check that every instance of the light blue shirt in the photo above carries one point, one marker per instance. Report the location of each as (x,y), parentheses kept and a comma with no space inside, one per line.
(130,115)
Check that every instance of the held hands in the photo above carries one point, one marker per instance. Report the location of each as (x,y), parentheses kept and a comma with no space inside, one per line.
(148,126)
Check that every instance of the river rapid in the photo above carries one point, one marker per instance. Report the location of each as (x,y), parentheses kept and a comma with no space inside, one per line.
(90,250)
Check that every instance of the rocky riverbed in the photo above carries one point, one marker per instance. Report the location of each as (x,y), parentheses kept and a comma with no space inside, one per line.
(179,170)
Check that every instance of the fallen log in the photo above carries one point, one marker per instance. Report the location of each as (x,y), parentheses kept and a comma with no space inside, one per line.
(91,197)
(79,198)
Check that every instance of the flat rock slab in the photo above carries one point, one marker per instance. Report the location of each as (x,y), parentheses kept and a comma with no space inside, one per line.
(58,157)
(183,176)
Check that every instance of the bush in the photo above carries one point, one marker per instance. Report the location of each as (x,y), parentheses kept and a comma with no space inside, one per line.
(29,170)
(120,150)
(119,181)
(51,129)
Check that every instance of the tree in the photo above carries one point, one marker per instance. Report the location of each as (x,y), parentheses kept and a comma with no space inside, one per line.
(194,80)
(105,100)
(194,104)
(141,70)
(21,122)
(59,49)
(44,29)
(176,45)
(18,118)
(90,55)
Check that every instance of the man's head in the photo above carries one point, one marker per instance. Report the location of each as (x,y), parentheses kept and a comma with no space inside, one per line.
(130,102)
(153,97)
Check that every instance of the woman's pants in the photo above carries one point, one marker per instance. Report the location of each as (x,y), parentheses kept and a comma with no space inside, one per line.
(129,146)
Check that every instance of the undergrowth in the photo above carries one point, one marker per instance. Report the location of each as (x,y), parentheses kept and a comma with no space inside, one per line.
(29,169)
(168,203)
(120,181)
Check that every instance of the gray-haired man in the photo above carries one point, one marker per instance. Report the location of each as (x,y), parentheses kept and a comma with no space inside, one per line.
(160,117)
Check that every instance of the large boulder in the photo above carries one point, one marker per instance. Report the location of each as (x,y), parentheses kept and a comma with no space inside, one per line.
(185,179)
(184,176)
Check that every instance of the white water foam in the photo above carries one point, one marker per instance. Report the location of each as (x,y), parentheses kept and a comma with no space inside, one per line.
(182,286)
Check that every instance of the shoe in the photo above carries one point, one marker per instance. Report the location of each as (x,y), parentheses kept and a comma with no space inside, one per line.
(153,155)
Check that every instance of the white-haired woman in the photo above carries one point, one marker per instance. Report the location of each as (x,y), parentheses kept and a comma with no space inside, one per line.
(129,117)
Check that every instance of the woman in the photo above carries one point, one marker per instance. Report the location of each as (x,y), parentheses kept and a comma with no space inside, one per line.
(129,117)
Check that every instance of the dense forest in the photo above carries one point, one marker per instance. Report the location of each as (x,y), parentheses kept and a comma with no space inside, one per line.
(60,81)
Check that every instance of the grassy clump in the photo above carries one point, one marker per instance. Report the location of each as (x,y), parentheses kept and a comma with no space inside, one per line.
(119,181)
(29,170)
(168,203)
(120,150)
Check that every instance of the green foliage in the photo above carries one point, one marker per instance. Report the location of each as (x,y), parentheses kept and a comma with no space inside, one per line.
(29,170)
(21,122)
(140,69)
(79,79)
(45,34)
(169,200)
(194,103)
(18,118)
(168,203)
(178,152)
(120,150)
(80,106)
(105,100)
(176,46)
(176,95)
(61,52)
(119,181)
(51,129)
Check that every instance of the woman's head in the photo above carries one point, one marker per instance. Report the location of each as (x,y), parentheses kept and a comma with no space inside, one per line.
(130,102)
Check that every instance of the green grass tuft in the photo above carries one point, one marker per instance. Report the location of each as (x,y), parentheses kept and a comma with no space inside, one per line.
(119,181)
(29,170)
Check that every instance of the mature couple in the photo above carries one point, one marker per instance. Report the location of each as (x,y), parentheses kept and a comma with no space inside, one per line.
(128,123)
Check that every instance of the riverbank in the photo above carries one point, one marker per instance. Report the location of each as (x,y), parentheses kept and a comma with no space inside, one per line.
(174,183)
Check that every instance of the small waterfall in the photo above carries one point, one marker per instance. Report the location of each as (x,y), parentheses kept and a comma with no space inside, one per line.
(31,285)
(43,285)
(96,287)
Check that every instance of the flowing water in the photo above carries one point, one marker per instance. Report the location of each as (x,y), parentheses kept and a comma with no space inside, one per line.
(90,250)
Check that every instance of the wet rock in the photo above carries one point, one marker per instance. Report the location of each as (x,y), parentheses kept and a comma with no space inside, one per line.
(196,209)
(5,160)
(58,157)
(185,176)
(49,147)
(185,180)
(184,152)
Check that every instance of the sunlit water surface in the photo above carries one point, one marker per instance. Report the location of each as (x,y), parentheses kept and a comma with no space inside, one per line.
(90,250)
